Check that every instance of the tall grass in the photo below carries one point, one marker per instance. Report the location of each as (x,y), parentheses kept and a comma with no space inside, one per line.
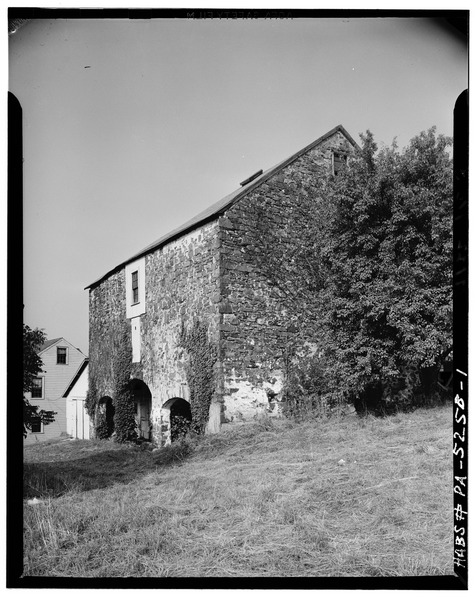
(342,497)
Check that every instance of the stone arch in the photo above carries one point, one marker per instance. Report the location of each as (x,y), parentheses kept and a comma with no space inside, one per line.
(105,406)
(142,398)
(176,418)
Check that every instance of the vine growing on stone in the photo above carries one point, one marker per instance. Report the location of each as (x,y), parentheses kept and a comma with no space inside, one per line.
(199,370)
(92,397)
(124,417)
(102,426)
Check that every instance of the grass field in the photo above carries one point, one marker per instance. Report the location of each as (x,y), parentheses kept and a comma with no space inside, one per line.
(343,497)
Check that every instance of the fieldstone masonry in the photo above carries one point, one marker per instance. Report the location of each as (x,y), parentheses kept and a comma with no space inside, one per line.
(209,271)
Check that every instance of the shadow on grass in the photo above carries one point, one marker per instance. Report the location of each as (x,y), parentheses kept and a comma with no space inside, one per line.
(51,470)
(98,470)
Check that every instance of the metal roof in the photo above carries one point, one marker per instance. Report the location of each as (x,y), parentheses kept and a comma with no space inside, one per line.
(222,205)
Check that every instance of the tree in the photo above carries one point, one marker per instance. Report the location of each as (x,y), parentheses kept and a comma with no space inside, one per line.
(364,266)
(33,339)
(388,260)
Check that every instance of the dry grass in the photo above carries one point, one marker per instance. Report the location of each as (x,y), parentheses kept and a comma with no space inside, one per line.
(267,499)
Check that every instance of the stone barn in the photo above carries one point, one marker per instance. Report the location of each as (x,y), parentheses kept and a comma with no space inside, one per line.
(205,270)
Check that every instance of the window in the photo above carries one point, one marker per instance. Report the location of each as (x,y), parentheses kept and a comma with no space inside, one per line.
(36,425)
(37,391)
(135,287)
(61,355)
(339,161)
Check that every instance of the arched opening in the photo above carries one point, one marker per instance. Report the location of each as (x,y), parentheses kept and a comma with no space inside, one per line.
(176,416)
(142,399)
(105,418)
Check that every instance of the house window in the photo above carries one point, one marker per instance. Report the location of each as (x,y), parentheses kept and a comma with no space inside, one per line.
(36,425)
(339,162)
(135,287)
(61,355)
(37,390)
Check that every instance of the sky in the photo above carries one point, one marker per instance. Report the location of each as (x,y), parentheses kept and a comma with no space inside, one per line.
(131,128)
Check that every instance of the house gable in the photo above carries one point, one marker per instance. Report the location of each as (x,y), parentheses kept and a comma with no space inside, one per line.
(256,330)
(220,207)
(60,360)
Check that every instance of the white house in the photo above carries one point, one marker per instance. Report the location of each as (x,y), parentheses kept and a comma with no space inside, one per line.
(61,365)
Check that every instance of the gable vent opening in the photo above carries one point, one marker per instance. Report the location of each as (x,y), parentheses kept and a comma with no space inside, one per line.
(251,178)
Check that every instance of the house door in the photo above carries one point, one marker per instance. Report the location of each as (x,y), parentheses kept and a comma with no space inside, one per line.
(144,420)
(142,404)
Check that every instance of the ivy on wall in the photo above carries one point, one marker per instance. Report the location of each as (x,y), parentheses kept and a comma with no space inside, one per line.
(122,408)
(124,417)
(92,397)
(102,427)
(199,370)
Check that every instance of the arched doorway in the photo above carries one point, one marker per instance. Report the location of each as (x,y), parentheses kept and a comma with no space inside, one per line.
(105,418)
(142,399)
(176,413)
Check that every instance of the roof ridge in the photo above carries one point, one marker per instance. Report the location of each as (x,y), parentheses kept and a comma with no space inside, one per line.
(226,202)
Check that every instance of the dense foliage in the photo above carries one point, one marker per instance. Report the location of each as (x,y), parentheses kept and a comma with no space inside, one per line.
(388,257)
(302,391)
(103,428)
(179,427)
(125,425)
(33,339)
(199,372)
(92,396)
(372,272)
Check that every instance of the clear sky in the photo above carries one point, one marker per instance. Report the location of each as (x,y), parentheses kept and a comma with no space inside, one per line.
(170,115)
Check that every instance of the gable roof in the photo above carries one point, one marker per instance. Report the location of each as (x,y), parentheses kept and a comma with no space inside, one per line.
(218,208)
(51,342)
(76,377)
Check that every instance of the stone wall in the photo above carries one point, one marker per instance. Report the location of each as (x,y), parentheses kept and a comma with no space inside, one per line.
(106,318)
(255,329)
(212,274)
(182,284)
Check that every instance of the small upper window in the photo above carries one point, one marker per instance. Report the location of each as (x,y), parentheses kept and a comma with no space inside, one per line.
(37,391)
(339,162)
(61,355)
(135,287)
(36,425)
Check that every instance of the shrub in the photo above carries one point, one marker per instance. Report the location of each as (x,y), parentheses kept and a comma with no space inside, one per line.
(102,427)
(179,427)
(305,391)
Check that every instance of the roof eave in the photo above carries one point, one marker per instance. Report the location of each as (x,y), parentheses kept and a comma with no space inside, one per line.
(76,376)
